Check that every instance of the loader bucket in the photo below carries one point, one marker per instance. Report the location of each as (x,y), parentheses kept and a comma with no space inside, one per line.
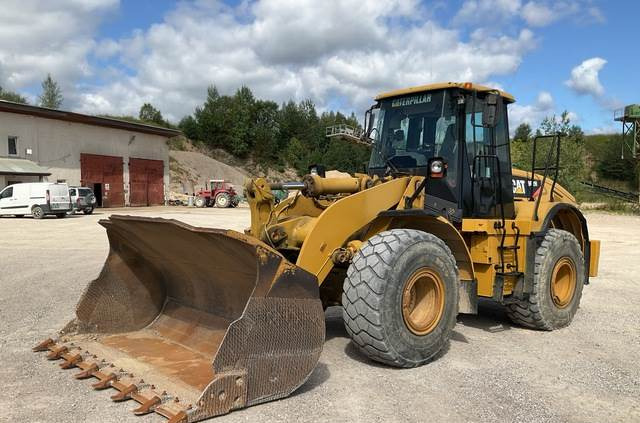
(191,322)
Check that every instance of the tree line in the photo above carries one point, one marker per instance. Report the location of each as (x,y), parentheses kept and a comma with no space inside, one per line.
(273,134)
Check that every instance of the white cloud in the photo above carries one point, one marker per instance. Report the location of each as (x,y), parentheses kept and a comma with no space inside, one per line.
(584,77)
(531,113)
(282,49)
(38,37)
(536,13)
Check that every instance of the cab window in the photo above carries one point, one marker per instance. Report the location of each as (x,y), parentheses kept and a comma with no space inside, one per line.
(72,192)
(7,193)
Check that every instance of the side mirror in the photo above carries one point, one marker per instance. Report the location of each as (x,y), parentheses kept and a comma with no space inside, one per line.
(490,111)
(368,123)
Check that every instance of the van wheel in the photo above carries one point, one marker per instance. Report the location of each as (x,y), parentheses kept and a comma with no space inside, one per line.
(400,297)
(37,212)
(61,215)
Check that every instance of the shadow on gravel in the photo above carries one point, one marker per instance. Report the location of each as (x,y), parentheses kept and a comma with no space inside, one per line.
(491,318)
(319,375)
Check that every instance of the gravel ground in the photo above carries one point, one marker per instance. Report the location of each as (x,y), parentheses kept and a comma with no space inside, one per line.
(493,371)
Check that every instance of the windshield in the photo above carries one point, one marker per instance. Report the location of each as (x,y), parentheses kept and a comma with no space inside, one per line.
(412,129)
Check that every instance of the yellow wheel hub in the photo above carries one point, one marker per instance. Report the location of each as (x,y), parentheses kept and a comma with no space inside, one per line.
(563,282)
(423,299)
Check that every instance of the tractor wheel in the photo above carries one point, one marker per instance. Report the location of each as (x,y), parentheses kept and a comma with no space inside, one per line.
(557,284)
(200,202)
(400,298)
(223,200)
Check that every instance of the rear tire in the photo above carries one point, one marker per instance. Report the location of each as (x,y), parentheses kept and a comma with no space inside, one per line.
(88,211)
(200,202)
(222,200)
(557,284)
(400,297)
(37,212)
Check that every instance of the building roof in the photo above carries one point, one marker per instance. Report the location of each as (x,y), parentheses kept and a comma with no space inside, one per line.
(43,112)
(442,85)
(21,167)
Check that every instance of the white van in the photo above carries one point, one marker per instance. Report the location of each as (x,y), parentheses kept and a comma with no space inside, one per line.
(35,198)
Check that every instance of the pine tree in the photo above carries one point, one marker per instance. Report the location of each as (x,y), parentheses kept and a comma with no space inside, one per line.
(51,96)
(12,96)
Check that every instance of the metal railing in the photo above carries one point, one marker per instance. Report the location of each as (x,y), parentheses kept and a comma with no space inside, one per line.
(343,130)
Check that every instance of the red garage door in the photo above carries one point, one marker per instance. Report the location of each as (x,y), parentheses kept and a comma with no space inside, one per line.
(103,174)
(146,182)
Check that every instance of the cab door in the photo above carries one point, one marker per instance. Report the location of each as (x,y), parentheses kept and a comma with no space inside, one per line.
(6,200)
(489,161)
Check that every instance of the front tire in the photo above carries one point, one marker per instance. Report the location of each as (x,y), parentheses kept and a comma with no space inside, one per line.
(557,284)
(200,202)
(400,297)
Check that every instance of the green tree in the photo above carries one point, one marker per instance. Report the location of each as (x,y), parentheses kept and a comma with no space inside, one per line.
(523,132)
(572,153)
(12,96)
(51,95)
(189,126)
(150,114)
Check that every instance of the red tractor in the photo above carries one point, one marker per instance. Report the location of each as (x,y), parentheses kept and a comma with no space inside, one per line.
(219,193)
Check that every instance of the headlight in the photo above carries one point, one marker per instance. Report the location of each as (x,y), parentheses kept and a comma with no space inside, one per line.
(437,168)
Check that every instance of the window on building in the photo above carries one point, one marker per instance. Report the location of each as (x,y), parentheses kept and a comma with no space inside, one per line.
(13,146)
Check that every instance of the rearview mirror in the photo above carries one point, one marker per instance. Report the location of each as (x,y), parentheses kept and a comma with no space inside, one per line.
(369,118)
(490,111)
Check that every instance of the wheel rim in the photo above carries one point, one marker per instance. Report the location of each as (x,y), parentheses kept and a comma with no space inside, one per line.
(563,282)
(423,301)
(37,212)
(222,201)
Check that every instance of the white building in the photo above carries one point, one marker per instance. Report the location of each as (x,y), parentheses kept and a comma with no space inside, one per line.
(124,163)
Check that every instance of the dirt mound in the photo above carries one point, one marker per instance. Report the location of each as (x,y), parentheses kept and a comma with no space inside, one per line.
(190,171)
(191,166)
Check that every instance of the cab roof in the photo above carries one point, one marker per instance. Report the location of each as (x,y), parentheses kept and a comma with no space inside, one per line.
(468,86)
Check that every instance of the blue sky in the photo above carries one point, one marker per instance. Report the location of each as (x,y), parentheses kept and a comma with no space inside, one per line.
(111,56)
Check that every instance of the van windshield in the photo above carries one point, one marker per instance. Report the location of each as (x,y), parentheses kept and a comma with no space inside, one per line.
(84,192)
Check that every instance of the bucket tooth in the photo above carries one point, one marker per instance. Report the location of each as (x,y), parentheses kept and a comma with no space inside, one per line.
(44,345)
(70,360)
(87,369)
(148,402)
(104,380)
(56,352)
(175,413)
(125,391)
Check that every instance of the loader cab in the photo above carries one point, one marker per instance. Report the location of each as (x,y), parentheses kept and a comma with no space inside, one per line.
(457,138)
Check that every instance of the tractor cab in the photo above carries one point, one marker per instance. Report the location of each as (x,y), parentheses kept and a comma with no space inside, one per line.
(219,193)
(455,134)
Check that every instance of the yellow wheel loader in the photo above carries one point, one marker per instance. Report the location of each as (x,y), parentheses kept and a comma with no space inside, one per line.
(192,322)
